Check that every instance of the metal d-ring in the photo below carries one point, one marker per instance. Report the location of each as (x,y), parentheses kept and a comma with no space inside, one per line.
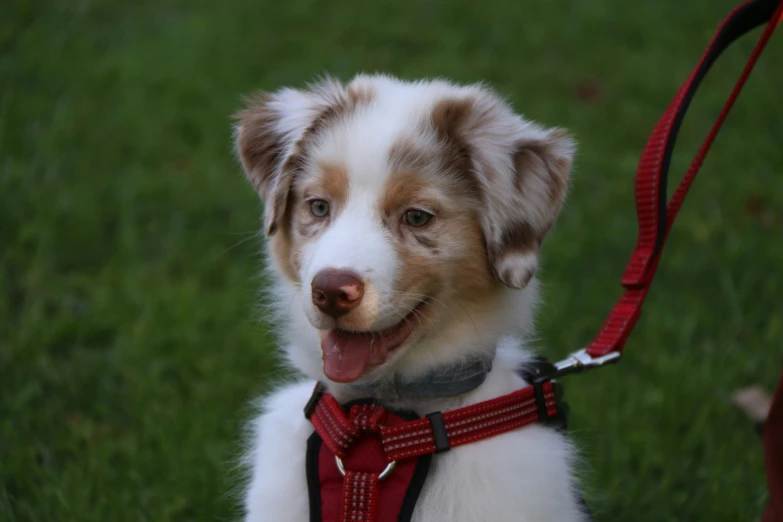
(385,473)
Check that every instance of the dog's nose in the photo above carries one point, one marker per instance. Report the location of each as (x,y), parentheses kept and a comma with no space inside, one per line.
(337,292)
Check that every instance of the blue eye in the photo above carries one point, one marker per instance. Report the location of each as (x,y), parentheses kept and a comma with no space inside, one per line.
(417,218)
(319,208)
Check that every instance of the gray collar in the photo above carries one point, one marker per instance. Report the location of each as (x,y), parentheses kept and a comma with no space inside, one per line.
(439,383)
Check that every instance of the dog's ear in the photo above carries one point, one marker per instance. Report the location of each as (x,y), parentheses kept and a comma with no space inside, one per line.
(518,169)
(271,135)
(541,167)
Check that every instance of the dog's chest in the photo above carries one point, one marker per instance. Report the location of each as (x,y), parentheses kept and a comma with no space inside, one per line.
(522,475)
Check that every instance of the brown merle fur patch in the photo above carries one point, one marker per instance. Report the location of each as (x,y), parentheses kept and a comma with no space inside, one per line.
(259,146)
(520,238)
(406,155)
(360,94)
(406,190)
(451,120)
(536,158)
(332,180)
(448,257)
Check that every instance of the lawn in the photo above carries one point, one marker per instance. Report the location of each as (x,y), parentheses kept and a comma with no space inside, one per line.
(130,341)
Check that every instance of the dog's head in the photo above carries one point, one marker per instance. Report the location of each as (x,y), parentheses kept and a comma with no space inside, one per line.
(405,219)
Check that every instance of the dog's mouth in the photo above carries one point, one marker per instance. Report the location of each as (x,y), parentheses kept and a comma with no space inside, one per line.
(348,355)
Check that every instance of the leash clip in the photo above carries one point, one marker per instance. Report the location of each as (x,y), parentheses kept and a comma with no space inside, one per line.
(580,361)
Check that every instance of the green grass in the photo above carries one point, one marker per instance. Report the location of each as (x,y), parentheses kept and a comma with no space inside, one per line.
(130,346)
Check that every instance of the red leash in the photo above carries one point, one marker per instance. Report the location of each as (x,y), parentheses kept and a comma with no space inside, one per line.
(654,214)
(656,217)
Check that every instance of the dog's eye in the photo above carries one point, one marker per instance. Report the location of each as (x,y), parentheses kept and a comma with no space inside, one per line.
(319,208)
(417,218)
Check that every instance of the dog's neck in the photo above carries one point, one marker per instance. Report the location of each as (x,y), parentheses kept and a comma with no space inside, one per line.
(502,377)
(439,383)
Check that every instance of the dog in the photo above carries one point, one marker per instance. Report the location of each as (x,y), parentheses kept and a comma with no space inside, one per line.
(403,225)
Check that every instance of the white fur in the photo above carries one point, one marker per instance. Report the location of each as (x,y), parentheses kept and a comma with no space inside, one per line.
(523,475)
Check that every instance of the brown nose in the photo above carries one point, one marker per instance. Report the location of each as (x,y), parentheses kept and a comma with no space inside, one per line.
(337,292)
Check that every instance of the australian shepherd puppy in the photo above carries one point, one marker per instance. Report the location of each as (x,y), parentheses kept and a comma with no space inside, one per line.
(404,222)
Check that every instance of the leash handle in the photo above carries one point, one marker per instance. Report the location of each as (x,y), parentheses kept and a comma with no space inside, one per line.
(654,214)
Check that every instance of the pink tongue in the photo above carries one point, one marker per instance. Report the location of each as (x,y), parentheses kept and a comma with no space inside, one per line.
(345,355)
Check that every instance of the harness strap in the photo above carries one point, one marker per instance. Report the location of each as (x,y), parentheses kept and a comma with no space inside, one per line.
(655,216)
(437,432)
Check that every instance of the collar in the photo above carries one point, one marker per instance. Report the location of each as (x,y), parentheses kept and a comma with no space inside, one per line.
(437,384)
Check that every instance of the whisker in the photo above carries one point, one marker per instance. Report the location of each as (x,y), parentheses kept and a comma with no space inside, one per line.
(419,315)
(435,300)
(439,302)
(294,296)
(249,233)
(232,247)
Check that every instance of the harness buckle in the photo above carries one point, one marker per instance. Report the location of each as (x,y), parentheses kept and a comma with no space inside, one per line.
(557,421)
(580,361)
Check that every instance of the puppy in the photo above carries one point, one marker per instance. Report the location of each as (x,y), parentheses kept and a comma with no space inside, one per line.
(403,223)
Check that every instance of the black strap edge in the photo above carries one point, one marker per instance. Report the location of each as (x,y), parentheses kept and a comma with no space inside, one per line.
(315,398)
(744,19)
(414,488)
(313,480)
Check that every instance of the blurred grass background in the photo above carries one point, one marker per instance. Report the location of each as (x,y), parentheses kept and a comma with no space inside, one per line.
(130,345)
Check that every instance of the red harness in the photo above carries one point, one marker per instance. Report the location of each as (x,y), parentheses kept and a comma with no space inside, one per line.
(363,456)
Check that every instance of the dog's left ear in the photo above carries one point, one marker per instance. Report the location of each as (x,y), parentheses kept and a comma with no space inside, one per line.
(541,168)
(522,171)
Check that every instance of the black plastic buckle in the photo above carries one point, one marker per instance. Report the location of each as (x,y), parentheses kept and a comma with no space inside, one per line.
(557,421)
(537,367)
(439,432)
(315,398)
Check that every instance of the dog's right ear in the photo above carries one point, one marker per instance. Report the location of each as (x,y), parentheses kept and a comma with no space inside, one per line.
(270,135)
